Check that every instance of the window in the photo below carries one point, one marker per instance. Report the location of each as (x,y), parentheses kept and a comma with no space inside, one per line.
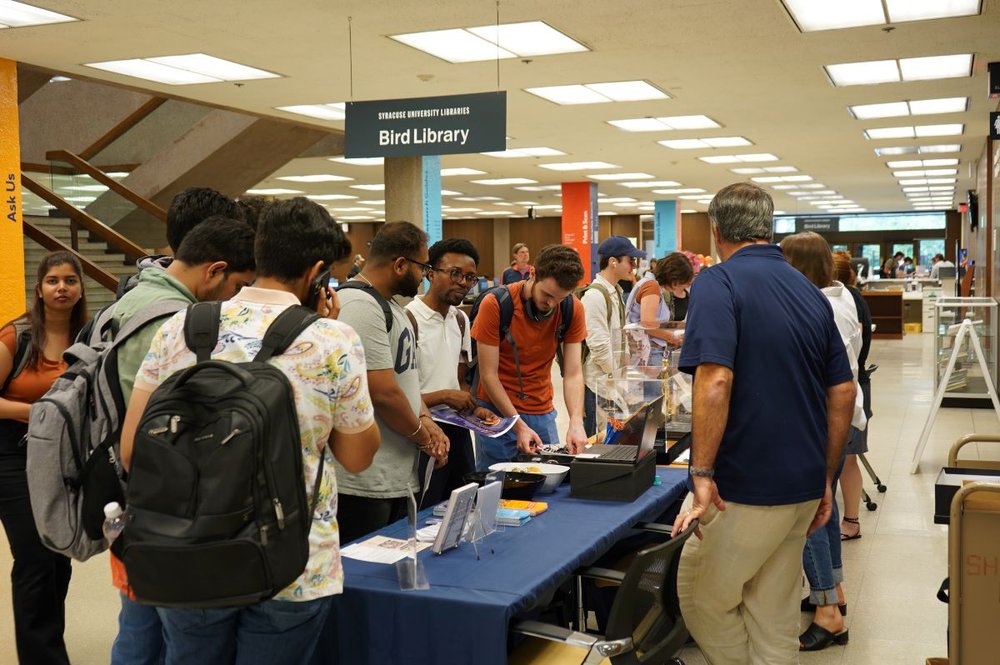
(838,248)
(873,253)
(928,248)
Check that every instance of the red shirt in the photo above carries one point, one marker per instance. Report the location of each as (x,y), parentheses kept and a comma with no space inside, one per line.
(536,349)
(32,382)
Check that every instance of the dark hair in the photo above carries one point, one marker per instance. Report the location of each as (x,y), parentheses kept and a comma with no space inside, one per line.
(673,269)
(898,254)
(219,239)
(193,206)
(252,207)
(452,246)
(810,254)
(560,262)
(394,240)
(35,316)
(939,257)
(294,234)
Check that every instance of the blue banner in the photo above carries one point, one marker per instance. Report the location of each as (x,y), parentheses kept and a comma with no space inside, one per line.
(666,219)
(431,176)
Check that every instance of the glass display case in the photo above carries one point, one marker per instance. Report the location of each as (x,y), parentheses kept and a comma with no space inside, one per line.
(967,384)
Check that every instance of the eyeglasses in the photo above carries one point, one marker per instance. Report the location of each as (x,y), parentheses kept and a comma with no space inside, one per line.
(425,268)
(459,277)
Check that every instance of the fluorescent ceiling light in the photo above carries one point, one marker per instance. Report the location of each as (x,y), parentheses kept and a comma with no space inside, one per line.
(687,210)
(505,181)
(863,73)
(731,159)
(716,142)
(954,129)
(525,152)
(354,209)
(117,174)
(495,213)
(329,197)
(787,178)
(811,16)
(321,177)
(359,161)
(86,188)
(927,181)
(900,150)
(151,71)
(678,191)
(379,202)
(766,169)
(81,199)
(372,188)
(478,198)
(59,79)
(918,163)
(721,159)
(331,111)
(650,184)
(273,191)
(942,105)
(870,111)
(578,166)
(599,93)
(455,45)
(814,185)
(448,192)
(460,171)
(931,149)
(618,199)
(356,218)
(19,15)
(665,123)
(620,176)
(923,10)
(889,133)
(526,203)
(183,69)
(549,207)
(527,39)
(464,209)
(640,125)
(936,67)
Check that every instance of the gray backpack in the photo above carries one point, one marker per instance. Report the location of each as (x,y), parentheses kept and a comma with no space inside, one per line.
(72,442)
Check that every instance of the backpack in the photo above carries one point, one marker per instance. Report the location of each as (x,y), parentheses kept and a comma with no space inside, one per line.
(217,514)
(579,293)
(72,442)
(506,304)
(22,346)
(373,292)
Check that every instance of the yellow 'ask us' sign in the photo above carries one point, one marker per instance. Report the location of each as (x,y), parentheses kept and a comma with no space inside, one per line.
(11,235)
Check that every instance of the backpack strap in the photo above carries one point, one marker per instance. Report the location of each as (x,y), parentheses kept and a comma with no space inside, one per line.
(283,330)
(413,322)
(460,318)
(201,328)
(22,345)
(383,303)
(506,305)
(565,318)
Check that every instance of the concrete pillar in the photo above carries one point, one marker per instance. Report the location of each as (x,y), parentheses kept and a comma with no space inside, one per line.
(413,193)
(501,245)
(11,230)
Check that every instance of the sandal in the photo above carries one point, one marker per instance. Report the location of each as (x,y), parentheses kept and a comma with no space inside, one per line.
(817,638)
(850,536)
(807,606)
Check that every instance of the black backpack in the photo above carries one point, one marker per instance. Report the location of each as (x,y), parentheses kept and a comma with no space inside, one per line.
(506,305)
(22,345)
(217,513)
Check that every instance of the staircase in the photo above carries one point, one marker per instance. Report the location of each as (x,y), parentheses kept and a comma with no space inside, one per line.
(97,251)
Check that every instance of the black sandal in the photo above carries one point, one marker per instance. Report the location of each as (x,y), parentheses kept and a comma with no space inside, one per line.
(817,638)
(807,606)
(856,535)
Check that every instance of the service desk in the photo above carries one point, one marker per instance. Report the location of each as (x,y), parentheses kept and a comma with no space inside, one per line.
(464,616)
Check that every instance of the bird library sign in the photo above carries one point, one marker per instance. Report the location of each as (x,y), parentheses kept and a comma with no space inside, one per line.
(817,224)
(446,125)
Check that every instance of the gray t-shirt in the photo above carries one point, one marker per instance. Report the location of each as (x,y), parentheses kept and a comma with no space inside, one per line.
(394,466)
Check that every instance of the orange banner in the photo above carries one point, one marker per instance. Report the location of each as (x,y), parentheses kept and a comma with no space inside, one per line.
(11,234)
(579,223)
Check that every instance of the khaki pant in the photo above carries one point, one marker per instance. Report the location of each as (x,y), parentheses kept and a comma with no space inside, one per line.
(739,587)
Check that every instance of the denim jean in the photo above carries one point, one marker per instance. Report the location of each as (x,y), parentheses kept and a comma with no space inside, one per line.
(504,448)
(140,635)
(274,632)
(652,388)
(821,556)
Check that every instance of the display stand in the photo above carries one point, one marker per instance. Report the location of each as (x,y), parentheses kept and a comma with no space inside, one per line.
(966,328)
(410,571)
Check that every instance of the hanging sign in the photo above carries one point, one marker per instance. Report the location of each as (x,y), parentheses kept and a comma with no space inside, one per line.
(817,224)
(426,126)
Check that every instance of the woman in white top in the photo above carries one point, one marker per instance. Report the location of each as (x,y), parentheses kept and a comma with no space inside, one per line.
(810,254)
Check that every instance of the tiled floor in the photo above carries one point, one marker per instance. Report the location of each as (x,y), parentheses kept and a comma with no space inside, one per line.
(892,572)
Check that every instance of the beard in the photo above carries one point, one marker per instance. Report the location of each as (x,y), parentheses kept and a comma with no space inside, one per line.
(408,286)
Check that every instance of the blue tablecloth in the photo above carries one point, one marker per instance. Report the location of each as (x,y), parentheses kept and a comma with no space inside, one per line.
(463,617)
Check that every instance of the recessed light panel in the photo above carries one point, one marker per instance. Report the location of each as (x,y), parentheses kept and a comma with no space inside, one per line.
(331,111)
(863,73)
(598,93)
(525,152)
(695,144)
(460,171)
(273,191)
(665,123)
(183,69)
(923,10)
(649,184)
(811,16)
(321,177)
(359,161)
(371,188)
(20,15)
(528,39)
(731,159)
(936,67)
(679,191)
(578,166)
(918,163)
(505,181)
(330,197)
(620,176)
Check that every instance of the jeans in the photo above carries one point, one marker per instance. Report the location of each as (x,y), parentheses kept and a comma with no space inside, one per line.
(40,577)
(140,635)
(504,448)
(821,556)
(652,387)
(273,632)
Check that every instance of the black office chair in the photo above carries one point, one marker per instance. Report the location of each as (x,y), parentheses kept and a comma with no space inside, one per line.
(645,626)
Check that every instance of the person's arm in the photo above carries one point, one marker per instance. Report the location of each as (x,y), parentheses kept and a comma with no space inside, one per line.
(839,410)
(576,436)
(393,407)
(713,385)
(10,410)
(528,440)
(456,399)
(356,451)
(649,305)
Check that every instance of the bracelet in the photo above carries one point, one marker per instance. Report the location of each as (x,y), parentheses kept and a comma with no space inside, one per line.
(420,426)
(699,472)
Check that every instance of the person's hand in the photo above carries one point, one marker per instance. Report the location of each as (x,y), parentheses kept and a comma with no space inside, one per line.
(676,339)
(706,493)
(439,443)
(328,304)
(576,438)
(528,440)
(823,511)
(459,400)
(485,415)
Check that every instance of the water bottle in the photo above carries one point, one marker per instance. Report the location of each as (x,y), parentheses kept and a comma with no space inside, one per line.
(114,521)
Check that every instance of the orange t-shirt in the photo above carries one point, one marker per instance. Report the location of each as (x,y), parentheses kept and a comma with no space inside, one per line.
(650,288)
(536,349)
(32,382)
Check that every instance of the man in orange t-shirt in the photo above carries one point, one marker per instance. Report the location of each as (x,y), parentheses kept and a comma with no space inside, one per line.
(537,316)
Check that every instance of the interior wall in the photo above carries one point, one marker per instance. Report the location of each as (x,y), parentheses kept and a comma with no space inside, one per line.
(696,233)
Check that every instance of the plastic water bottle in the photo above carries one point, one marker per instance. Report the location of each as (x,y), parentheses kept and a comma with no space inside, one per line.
(114,521)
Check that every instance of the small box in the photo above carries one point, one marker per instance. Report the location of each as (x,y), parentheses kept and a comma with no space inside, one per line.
(948,482)
(913,327)
(611,481)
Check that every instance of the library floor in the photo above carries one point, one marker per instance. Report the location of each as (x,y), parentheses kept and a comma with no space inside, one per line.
(892,572)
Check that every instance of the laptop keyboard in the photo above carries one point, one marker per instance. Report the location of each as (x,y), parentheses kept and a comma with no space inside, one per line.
(615,452)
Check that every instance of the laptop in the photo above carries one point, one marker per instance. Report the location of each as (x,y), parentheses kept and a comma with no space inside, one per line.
(634,440)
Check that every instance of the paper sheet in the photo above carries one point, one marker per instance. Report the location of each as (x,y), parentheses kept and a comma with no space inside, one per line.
(379,549)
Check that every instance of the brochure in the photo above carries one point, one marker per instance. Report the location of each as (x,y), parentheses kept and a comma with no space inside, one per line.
(379,549)
(445,414)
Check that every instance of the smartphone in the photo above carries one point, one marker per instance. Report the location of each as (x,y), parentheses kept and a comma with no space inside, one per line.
(333,283)
(317,288)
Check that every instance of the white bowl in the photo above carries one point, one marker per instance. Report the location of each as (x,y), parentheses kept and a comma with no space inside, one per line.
(554,473)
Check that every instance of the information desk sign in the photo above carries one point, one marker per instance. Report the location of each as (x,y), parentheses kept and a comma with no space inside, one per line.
(427,125)
(817,224)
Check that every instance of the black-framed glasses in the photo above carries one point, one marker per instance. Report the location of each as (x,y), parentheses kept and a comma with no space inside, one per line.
(459,277)
(425,268)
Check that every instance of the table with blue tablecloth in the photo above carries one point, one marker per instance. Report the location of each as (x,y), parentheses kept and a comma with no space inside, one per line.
(464,616)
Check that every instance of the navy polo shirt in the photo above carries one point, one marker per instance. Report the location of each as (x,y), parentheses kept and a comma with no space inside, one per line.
(759,316)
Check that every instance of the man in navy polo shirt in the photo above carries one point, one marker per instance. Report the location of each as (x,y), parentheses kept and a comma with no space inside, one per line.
(773,399)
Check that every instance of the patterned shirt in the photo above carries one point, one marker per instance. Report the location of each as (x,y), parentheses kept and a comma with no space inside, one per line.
(326,368)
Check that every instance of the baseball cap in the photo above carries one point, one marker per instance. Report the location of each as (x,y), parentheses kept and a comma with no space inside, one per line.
(619,246)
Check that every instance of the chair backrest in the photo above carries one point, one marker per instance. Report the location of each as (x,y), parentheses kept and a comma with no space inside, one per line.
(646,607)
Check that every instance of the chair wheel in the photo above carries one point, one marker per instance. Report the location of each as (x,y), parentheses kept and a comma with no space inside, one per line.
(871,505)
(881,488)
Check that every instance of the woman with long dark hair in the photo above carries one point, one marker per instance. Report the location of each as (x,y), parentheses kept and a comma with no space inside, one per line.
(31,349)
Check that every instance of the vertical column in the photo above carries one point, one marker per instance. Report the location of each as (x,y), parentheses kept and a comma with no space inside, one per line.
(11,230)
(666,228)
(413,192)
(579,223)
(501,247)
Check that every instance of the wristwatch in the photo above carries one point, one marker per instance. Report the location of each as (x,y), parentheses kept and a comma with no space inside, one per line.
(700,472)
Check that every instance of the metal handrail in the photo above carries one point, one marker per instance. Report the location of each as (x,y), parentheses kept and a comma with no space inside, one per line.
(100,176)
(53,244)
(117,241)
